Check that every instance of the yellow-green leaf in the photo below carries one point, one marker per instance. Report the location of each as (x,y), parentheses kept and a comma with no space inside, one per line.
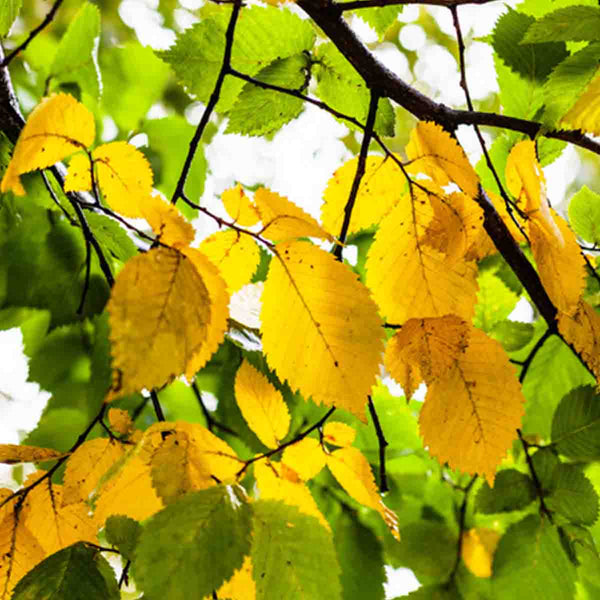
(58,126)
(585,113)
(261,405)
(159,310)
(332,340)
(11,454)
(433,151)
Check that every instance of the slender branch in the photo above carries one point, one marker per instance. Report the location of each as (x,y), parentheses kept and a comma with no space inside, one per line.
(462,514)
(212,102)
(211,423)
(358,4)
(383,443)
(47,20)
(532,354)
(590,266)
(160,415)
(360,171)
(124,579)
(299,437)
(534,477)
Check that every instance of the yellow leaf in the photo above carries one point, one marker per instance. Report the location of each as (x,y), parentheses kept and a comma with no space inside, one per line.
(86,467)
(409,278)
(436,153)
(20,550)
(56,525)
(306,457)
(241,586)
(124,177)
(128,492)
(582,330)
(585,113)
(338,434)
(219,310)
(239,207)
(159,312)
(274,486)
(478,547)
(426,349)
(353,472)
(11,454)
(282,220)
(120,421)
(458,221)
(332,342)
(261,405)
(560,264)
(471,414)
(79,174)
(57,126)
(234,254)
(379,191)
(169,467)
(167,222)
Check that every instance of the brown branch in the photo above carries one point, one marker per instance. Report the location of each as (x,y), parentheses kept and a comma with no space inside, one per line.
(212,102)
(383,443)
(358,4)
(47,20)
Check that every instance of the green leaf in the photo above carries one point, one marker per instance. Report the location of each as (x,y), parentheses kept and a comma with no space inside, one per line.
(434,592)
(573,495)
(512,490)
(428,548)
(123,533)
(112,237)
(519,96)
(495,301)
(545,463)
(197,55)
(134,79)
(513,335)
(533,61)
(554,371)
(360,558)
(567,82)
(168,141)
(584,215)
(340,86)
(191,547)
(293,555)
(530,563)
(573,23)
(380,18)
(73,573)
(34,325)
(259,111)
(76,60)
(9,9)
(576,425)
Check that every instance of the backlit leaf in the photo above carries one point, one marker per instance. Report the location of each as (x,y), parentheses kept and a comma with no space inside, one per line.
(160,311)
(408,277)
(471,415)
(338,434)
(585,113)
(582,330)
(11,454)
(169,225)
(353,472)
(338,357)
(57,127)
(207,535)
(120,421)
(79,174)
(282,220)
(124,177)
(234,254)
(434,152)
(478,547)
(241,586)
(584,215)
(239,207)
(261,405)
(383,180)
(306,457)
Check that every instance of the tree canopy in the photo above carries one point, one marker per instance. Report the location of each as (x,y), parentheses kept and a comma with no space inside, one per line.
(225,419)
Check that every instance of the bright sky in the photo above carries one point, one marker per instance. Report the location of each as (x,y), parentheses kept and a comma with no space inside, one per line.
(297,163)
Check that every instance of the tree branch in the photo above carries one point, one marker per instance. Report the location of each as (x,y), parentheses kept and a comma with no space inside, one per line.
(383,443)
(358,4)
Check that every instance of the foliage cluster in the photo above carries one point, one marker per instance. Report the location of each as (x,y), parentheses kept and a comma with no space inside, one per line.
(307,476)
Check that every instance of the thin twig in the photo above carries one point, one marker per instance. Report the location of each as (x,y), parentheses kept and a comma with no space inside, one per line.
(383,443)
(47,20)
(462,514)
(211,422)
(160,415)
(360,171)
(299,437)
(532,354)
(214,98)
(124,579)
(358,4)
(534,477)
(590,266)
